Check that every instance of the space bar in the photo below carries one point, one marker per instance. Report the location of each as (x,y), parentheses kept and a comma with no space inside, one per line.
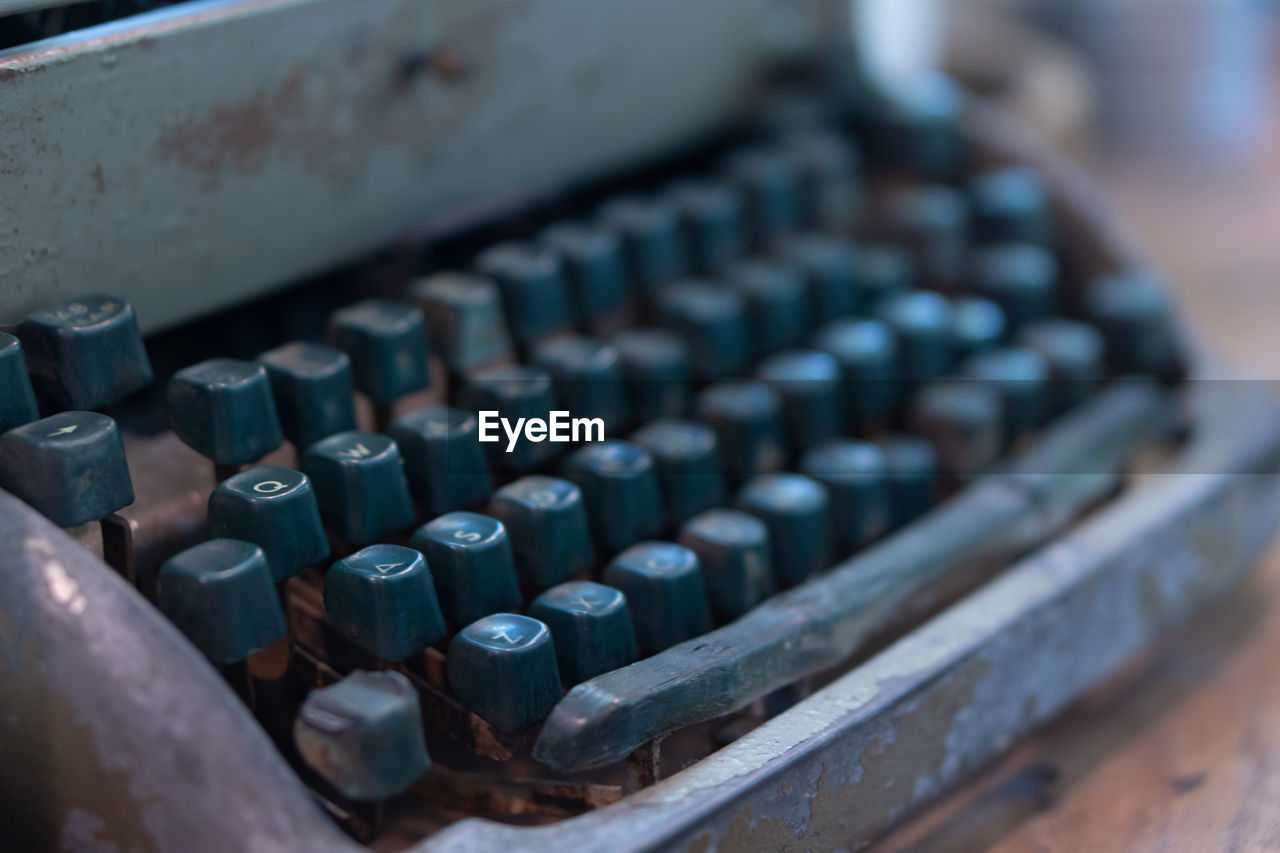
(822,622)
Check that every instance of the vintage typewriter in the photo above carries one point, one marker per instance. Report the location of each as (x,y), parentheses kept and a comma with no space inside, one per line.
(903,451)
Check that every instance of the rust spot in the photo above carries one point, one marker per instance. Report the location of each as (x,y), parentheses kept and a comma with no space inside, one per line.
(7,74)
(99,183)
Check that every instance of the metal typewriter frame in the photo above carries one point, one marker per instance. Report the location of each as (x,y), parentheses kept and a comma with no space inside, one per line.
(118,730)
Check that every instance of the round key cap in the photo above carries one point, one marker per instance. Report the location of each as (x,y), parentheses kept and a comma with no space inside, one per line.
(830,168)
(935,221)
(17,400)
(714,214)
(810,386)
(470,556)
(712,321)
(534,289)
(887,270)
(922,322)
(665,591)
(774,192)
(734,551)
(364,735)
(1019,277)
(777,302)
(688,465)
(832,271)
(747,419)
(1021,378)
(503,668)
(387,343)
(867,353)
(1137,322)
(274,508)
(383,599)
(70,467)
(312,387)
(620,483)
(86,353)
(1011,205)
(464,319)
(964,421)
(596,267)
(912,466)
(656,365)
(1075,353)
(922,127)
(221,595)
(977,326)
(591,627)
(796,511)
(854,473)
(225,410)
(546,521)
(587,378)
(515,393)
(443,458)
(360,485)
(653,238)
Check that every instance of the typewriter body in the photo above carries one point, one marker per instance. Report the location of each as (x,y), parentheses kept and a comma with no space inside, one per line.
(905,447)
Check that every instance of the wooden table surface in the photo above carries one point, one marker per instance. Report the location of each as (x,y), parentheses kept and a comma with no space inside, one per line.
(1181,753)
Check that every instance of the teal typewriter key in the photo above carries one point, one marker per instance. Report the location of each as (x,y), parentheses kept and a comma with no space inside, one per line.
(360,485)
(656,365)
(591,627)
(383,599)
(364,735)
(811,388)
(17,399)
(657,253)
(887,270)
(443,459)
(854,473)
(387,343)
(665,591)
(587,378)
(464,318)
(1011,205)
(777,302)
(86,353)
(797,513)
(1136,319)
(935,221)
(922,322)
(512,394)
(747,419)
(503,669)
(313,389)
(596,268)
(774,190)
(620,483)
(470,556)
(70,467)
(977,326)
(714,324)
(867,352)
(535,291)
(921,127)
(1021,378)
(964,420)
(222,596)
(275,509)
(1019,277)
(546,521)
(688,461)
(831,267)
(714,215)
(224,409)
(1076,355)
(911,463)
(830,168)
(735,553)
